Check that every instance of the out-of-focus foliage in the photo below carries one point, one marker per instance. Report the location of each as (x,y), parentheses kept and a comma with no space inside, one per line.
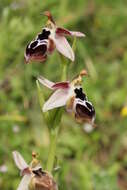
(96,161)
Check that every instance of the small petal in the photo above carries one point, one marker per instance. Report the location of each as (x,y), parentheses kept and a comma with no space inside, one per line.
(19,160)
(63,47)
(24,184)
(51,46)
(62,31)
(52,85)
(70,104)
(77,34)
(46,82)
(57,99)
(62,85)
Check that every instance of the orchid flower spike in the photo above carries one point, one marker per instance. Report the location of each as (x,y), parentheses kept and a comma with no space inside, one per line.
(71,95)
(51,37)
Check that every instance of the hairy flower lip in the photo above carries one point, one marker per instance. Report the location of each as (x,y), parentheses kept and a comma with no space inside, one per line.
(44,180)
(36,52)
(38,58)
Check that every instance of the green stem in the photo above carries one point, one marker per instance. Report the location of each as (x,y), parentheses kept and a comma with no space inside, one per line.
(64,75)
(41,102)
(52,149)
(55,129)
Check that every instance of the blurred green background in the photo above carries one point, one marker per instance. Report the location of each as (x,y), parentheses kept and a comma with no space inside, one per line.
(95,161)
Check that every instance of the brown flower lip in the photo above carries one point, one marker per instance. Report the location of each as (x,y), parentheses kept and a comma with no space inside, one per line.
(35,57)
(44,181)
(36,51)
(85,113)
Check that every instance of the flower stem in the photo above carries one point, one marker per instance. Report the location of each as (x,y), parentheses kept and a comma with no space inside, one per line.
(52,149)
(55,129)
(64,75)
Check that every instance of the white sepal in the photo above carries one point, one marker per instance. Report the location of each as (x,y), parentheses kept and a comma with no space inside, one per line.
(19,160)
(46,82)
(57,99)
(63,47)
(77,34)
(25,181)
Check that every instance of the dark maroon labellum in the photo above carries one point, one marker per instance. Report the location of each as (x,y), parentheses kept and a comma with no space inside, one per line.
(79,94)
(44,35)
(44,181)
(85,111)
(37,49)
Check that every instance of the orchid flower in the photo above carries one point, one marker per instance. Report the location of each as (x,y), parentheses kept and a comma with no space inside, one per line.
(27,171)
(33,176)
(71,95)
(50,38)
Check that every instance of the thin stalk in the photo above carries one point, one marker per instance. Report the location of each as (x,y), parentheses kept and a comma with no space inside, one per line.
(41,102)
(64,75)
(52,149)
(55,129)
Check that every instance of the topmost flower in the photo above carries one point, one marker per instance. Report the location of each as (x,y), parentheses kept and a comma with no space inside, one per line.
(51,37)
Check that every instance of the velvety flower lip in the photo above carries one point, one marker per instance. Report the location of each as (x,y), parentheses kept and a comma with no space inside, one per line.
(36,51)
(43,180)
(50,38)
(25,169)
(70,95)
